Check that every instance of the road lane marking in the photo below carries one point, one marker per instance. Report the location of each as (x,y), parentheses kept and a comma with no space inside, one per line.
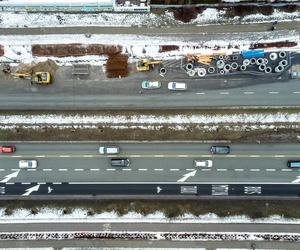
(200,93)
(47,169)
(239,169)
(56,183)
(25,183)
(189,169)
(158,169)
(143,169)
(88,156)
(255,169)
(79,169)
(41,183)
(286,170)
(1,169)
(254,156)
(110,169)
(174,169)
(277,156)
(273,92)
(16,156)
(205,169)
(62,169)
(15,169)
(31,169)
(183,156)
(40,156)
(64,156)
(126,169)
(94,169)
(296,92)
(271,169)
(231,156)
(158,155)
(248,93)
(222,169)
(224,93)
(135,156)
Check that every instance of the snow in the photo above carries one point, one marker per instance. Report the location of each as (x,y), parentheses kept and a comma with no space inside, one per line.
(30,2)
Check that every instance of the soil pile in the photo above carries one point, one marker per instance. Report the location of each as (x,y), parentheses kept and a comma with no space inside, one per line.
(75,49)
(165,48)
(280,44)
(117,65)
(1,50)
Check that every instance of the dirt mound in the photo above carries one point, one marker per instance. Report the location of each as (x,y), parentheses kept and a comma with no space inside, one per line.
(117,65)
(186,14)
(273,45)
(47,66)
(1,50)
(75,49)
(165,48)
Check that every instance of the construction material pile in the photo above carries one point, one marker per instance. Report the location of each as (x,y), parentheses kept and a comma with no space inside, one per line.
(117,66)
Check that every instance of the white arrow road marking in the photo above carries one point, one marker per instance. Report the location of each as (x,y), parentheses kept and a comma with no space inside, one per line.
(9,176)
(30,190)
(158,189)
(187,175)
(297,180)
(50,189)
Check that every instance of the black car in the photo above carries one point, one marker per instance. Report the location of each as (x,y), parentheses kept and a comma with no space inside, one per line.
(120,162)
(220,150)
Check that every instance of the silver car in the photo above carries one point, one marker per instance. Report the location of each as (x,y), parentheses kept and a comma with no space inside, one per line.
(27,163)
(151,85)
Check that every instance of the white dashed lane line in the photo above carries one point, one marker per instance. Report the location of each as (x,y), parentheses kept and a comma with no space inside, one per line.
(62,169)
(296,92)
(224,93)
(31,170)
(126,169)
(254,169)
(254,156)
(94,169)
(222,169)
(278,156)
(1,169)
(157,156)
(64,156)
(273,92)
(110,169)
(239,169)
(174,169)
(200,93)
(88,156)
(248,93)
(47,169)
(286,170)
(270,169)
(158,169)
(79,169)
(40,156)
(183,156)
(142,169)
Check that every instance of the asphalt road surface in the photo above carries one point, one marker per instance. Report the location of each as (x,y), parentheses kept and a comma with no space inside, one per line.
(157,168)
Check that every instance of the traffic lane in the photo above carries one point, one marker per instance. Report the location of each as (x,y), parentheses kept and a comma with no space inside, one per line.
(135,149)
(157,170)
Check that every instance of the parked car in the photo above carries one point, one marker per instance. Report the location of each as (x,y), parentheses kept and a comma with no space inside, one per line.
(293,164)
(177,86)
(7,149)
(151,84)
(120,162)
(109,150)
(220,149)
(27,163)
(203,163)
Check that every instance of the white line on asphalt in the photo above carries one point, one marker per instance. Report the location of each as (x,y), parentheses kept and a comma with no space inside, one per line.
(255,169)
(110,169)
(62,169)
(270,169)
(40,156)
(126,169)
(142,169)
(222,169)
(41,183)
(279,156)
(78,169)
(26,183)
(94,169)
(200,93)
(10,183)
(296,92)
(239,169)
(15,169)
(273,92)
(1,169)
(189,169)
(56,183)
(205,155)
(135,156)
(248,93)
(47,169)
(224,93)
(174,169)
(31,169)
(183,156)
(64,156)
(87,156)
(206,169)
(286,170)
(158,169)
(16,156)
(231,156)
(254,155)
(158,155)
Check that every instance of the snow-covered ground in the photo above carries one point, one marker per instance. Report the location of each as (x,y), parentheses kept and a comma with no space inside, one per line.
(18,48)
(208,16)
(81,215)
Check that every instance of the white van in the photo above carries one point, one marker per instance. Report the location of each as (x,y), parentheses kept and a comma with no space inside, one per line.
(177,86)
(27,163)
(109,150)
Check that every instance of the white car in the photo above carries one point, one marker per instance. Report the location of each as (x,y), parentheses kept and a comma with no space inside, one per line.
(203,163)
(27,163)
(109,150)
(177,86)
(151,85)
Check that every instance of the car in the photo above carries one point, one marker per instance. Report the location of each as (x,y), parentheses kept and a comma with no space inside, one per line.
(220,150)
(27,163)
(177,86)
(203,163)
(293,164)
(120,162)
(7,149)
(109,150)
(151,84)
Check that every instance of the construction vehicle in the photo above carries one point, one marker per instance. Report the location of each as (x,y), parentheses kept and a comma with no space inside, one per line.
(146,64)
(43,78)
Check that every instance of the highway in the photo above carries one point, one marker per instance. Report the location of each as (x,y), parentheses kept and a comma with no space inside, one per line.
(157,168)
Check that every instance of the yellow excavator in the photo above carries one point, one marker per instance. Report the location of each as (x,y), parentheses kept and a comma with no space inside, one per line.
(146,64)
(43,78)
